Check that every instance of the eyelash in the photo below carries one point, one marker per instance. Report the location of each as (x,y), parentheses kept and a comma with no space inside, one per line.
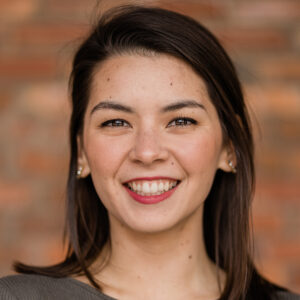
(185,120)
(106,123)
(110,123)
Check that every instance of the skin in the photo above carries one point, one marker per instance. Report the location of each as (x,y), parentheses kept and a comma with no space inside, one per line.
(159,245)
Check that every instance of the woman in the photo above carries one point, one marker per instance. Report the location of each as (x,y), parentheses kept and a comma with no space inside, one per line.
(161,173)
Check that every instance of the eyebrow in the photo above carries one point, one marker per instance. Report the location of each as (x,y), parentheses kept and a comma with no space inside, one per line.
(112,105)
(182,104)
(124,108)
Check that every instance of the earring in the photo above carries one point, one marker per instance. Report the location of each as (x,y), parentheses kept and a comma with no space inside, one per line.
(233,168)
(79,171)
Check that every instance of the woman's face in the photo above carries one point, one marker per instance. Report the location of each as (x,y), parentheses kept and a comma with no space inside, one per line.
(149,126)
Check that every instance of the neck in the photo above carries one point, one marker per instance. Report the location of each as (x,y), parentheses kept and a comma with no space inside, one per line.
(173,261)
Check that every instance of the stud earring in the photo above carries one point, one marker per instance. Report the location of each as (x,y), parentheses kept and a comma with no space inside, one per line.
(79,171)
(233,168)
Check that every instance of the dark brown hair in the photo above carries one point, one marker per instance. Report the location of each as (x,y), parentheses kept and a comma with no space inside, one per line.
(135,29)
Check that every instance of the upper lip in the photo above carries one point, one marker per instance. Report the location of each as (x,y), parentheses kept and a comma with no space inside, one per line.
(150,178)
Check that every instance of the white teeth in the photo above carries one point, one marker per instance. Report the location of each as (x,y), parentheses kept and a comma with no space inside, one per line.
(166,186)
(134,186)
(153,188)
(147,188)
(161,186)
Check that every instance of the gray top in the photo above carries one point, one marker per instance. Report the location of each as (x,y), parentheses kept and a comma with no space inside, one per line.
(36,287)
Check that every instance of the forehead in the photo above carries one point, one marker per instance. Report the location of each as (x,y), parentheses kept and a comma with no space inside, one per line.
(147,78)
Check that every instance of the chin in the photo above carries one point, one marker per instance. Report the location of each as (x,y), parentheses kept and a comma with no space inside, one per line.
(154,221)
(153,226)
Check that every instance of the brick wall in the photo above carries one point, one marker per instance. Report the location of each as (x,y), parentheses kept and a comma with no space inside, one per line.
(38,38)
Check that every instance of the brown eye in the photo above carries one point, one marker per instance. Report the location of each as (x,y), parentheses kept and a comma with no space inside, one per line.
(181,122)
(115,123)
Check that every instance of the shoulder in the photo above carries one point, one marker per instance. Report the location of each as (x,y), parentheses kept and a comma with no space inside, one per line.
(36,287)
(285,295)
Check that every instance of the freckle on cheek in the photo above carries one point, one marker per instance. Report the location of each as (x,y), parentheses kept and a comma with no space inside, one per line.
(171,83)
(107,79)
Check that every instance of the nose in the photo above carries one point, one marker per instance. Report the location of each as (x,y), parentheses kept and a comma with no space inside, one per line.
(147,148)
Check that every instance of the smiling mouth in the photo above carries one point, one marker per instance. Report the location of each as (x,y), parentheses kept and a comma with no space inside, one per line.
(152,187)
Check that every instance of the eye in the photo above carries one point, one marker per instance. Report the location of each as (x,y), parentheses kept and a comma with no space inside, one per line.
(115,123)
(182,122)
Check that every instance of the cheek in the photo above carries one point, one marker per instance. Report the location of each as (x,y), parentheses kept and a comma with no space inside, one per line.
(104,158)
(201,155)
(104,155)
(199,159)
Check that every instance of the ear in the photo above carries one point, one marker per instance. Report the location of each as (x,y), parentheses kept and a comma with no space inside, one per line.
(82,161)
(227,155)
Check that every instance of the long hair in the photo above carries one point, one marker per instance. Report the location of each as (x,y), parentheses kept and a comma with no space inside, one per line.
(140,30)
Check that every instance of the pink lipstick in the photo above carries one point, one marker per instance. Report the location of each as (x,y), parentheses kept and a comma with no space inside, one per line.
(150,199)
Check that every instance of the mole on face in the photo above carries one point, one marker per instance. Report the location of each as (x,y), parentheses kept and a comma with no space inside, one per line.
(107,79)
(190,256)
(171,83)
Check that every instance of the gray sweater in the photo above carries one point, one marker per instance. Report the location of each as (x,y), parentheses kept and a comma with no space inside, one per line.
(36,287)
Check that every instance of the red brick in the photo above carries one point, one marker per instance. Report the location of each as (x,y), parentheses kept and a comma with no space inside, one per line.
(283,100)
(294,280)
(272,168)
(278,100)
(296,39)
(16,10)
(69,7)
(54,251)
(279,68)
(251,39)
(36,251)
(273,271)
(42,34)
(14,194)
(38,162)
(197,9)
(285,190)
(23,128)
(267,10)
(269,160)
(47,101)
(5,97)
(267,223)
(291,130)
(288,250)
(27,68)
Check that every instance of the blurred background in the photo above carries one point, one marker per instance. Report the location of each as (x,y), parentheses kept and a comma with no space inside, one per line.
(37,41)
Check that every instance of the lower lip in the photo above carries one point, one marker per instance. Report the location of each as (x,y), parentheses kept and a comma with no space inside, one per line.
(150,199)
